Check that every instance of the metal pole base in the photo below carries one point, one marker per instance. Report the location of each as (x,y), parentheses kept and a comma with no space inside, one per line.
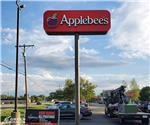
(16,118)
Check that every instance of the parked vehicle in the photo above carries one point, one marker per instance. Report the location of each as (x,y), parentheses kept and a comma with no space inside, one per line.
(63,102)
(148,107)
(68,111)
(58,104)
(38,103)
(116,105)
(101,102)
(143,106)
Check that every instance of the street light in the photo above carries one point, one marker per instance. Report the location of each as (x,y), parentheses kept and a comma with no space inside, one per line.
(19,7)
(16,114)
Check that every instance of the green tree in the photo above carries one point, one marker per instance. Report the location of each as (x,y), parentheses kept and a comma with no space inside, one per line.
(145,94)
(134,88)
(33,98)
(3,96)
(51,96)
(69,90)
(42,97)
(87,89)
(22,97)
(134,85)
(58,94)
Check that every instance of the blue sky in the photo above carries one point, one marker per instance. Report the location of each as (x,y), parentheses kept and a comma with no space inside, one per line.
(106,60)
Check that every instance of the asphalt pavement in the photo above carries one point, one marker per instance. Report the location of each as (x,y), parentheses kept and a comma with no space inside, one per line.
(98,118)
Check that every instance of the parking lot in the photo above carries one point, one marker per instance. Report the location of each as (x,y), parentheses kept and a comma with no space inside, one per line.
(98,118)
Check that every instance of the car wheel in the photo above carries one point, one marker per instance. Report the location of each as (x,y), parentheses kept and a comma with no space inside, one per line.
(122,120)
(81,116)
(106,112)
(145,121)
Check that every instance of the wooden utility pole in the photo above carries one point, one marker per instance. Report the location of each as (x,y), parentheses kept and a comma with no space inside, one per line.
(25,71)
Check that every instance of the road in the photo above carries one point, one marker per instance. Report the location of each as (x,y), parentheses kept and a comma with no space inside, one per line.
(98,118)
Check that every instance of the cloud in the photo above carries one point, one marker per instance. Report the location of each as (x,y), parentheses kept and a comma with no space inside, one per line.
(85,76)
(8,35)
(91,62)
(89,51)
(55,52)
(47,75)
(93,0)
(111,81)
(43,82)
(130,30)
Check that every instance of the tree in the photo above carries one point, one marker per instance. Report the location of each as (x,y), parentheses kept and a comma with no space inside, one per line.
(35,98)
(87,89)
(51,96)
(69,90)
(3,96)
(42,97)
(134,88)
(145,94)
(134,85)
(22,98)
(58,94)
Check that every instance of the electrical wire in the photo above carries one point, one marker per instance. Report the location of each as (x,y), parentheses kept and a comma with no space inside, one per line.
(10,68)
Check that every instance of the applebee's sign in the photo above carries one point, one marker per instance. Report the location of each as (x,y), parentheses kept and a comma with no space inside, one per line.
(84,22)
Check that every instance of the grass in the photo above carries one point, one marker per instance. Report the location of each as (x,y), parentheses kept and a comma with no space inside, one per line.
(7,112)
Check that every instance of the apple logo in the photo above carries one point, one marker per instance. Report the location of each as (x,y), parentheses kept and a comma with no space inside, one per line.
(52,21)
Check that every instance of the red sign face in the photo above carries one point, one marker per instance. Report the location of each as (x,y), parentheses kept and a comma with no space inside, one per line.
(70,22)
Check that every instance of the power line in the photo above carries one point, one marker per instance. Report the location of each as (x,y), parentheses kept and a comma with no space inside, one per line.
(7,67)
(10,68)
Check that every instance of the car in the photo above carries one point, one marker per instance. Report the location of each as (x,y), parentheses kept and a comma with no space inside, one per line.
(84,104)
(68,111)
(100,102)
(63,102)
(38,103)
(148,107)
(58,104)
(143,106)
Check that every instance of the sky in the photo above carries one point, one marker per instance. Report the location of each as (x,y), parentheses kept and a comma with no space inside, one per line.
(105,60)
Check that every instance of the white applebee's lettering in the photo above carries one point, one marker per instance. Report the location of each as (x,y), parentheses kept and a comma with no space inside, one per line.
(87,20)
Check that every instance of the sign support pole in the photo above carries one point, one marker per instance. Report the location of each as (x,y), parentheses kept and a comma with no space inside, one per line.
(77,80)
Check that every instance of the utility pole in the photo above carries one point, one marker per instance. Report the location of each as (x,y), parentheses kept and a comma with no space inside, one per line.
(25,71)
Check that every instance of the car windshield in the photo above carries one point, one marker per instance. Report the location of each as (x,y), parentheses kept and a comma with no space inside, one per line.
(67,106)
(62,103)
